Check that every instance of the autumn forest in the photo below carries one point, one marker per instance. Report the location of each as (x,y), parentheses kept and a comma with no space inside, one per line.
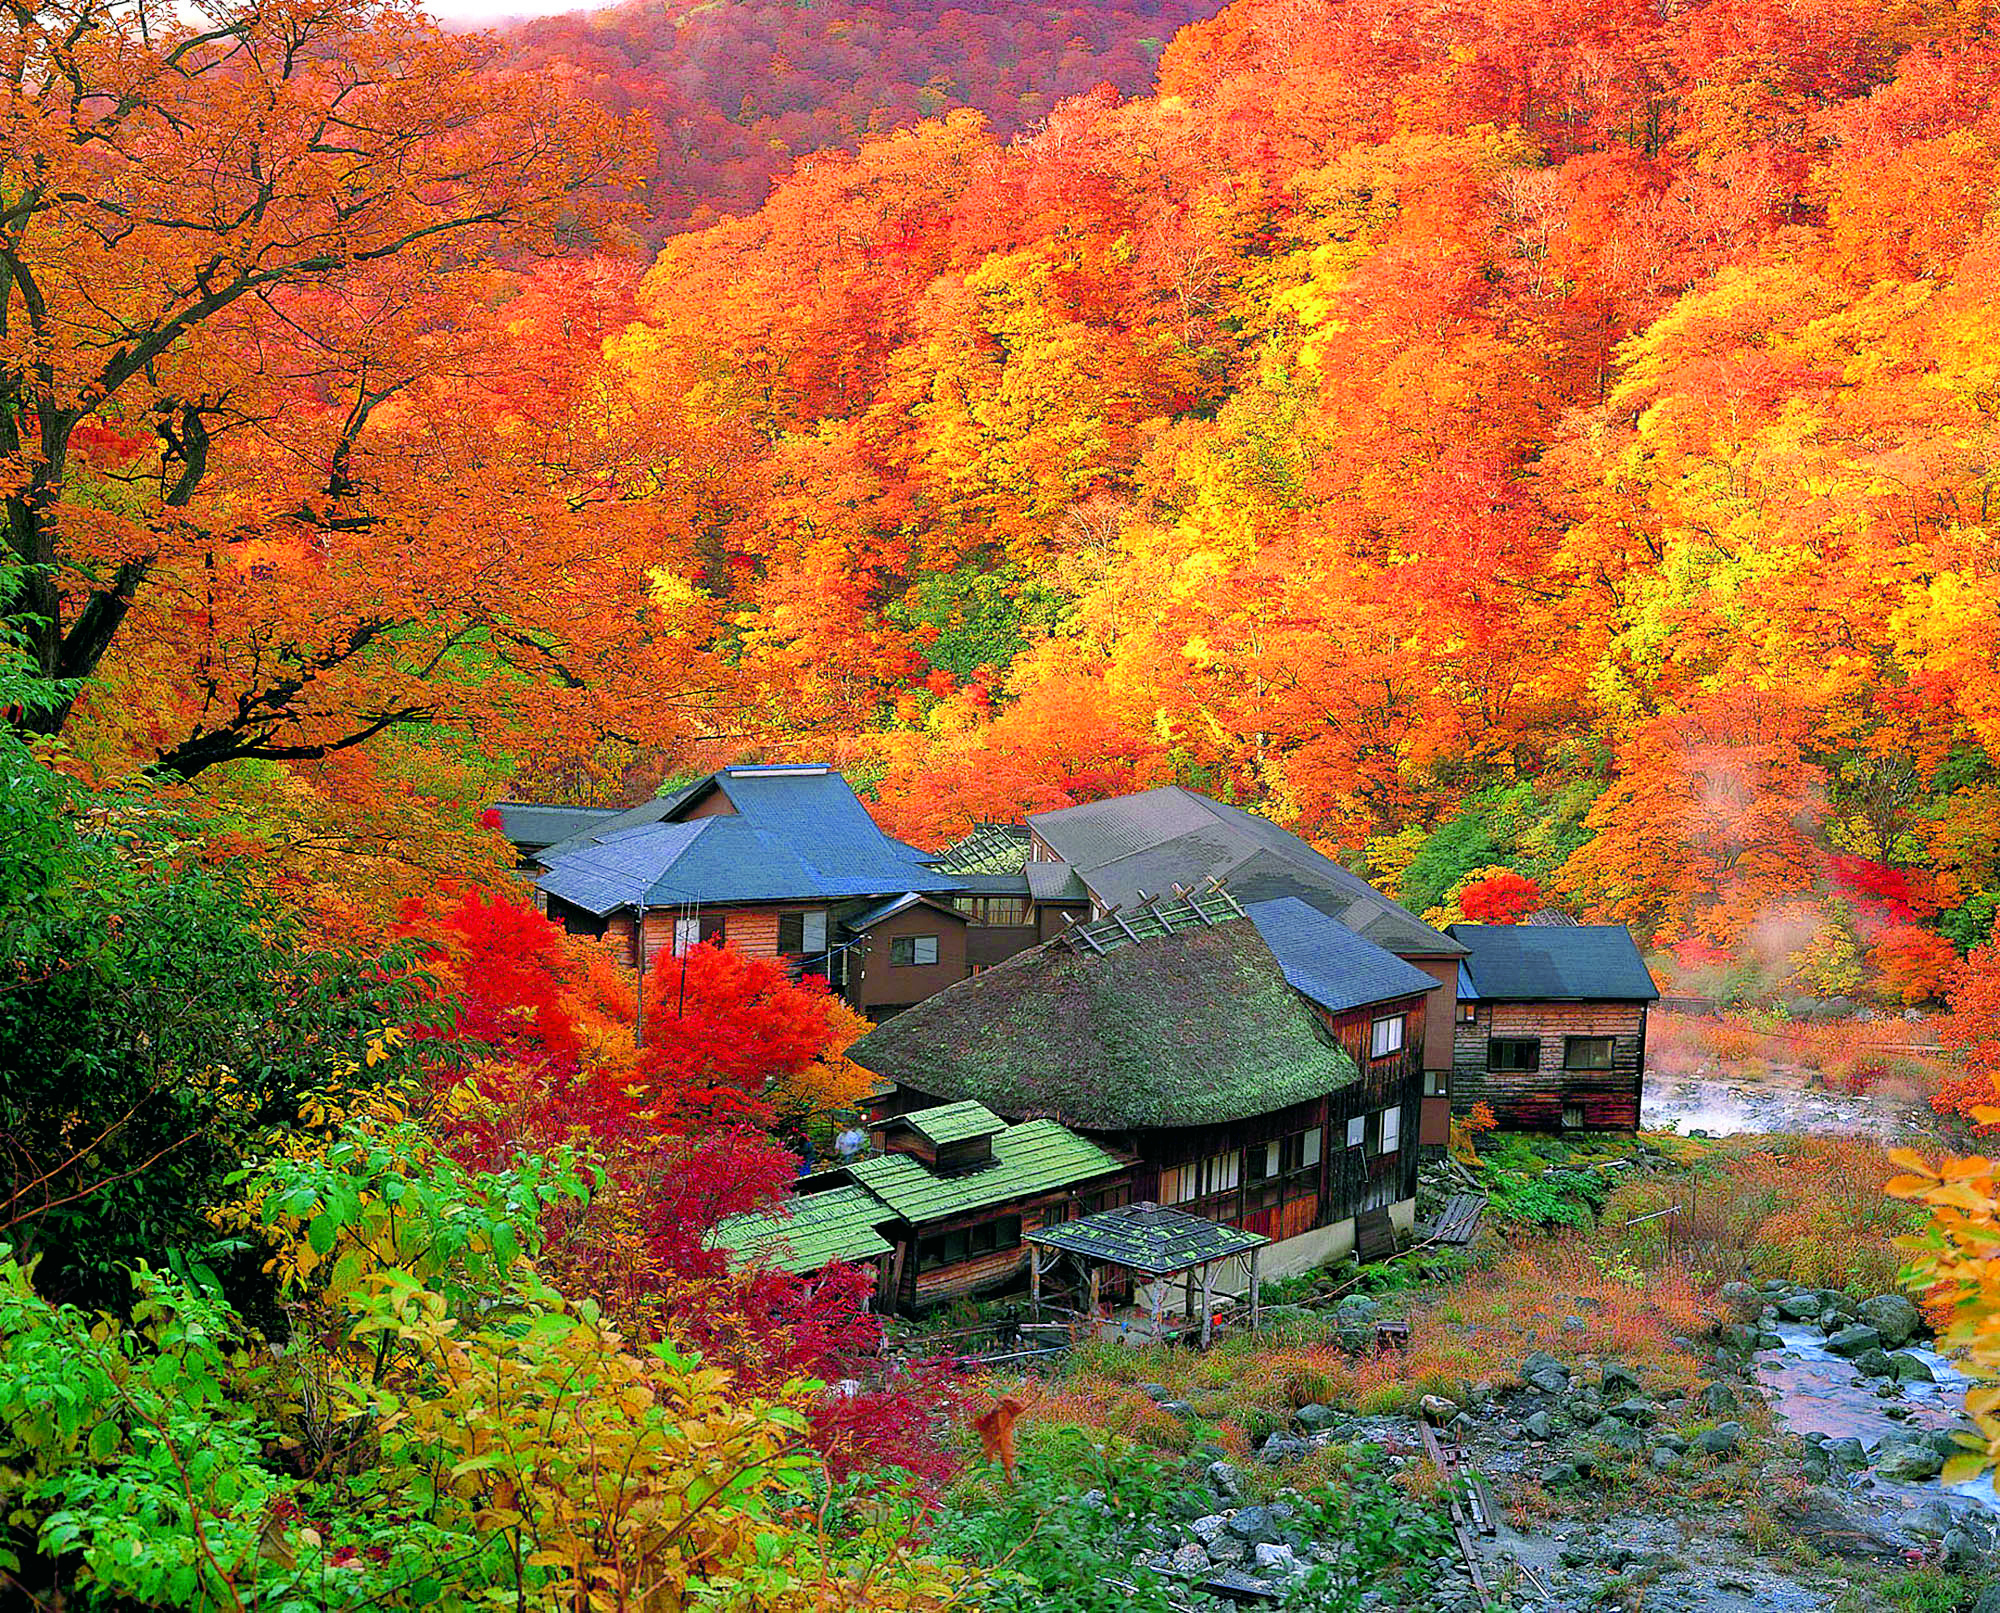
(1546,457)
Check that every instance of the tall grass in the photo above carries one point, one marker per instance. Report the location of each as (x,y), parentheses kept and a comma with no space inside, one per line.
(1894,1058)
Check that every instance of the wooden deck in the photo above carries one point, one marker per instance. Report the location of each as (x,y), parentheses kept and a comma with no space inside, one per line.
(1459,1221)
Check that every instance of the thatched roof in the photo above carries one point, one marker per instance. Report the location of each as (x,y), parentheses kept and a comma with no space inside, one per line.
(1186,1029)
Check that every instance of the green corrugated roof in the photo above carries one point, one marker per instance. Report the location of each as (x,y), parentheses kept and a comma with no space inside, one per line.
(838,1224)
(1033,1158)
(1151,1238)
(954,1122)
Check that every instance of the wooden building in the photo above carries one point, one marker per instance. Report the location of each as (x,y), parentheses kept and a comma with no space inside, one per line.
(941,1208)
(1175,1038)
(1551,1026)
(1121,851)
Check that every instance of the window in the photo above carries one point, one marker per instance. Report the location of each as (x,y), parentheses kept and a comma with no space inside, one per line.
(801,932)
(1572,1117)
(1435,1085)
(912,951)
(968,1243)
(1468,1013)
(1386,1037)
(1177,1183)
(1357,1130)
(989,910)
(1392,1130)
(1309,1149)
(1587,1053)
(1219,1173)
(1514,1053)
(1262,1160)
(687,935)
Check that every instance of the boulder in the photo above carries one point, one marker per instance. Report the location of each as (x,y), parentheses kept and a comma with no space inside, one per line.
(1930,1519)
(1156,1392)
(1249,1524)
(1799,1307)
(1740,1295)
(1718,1398)
(1721,1440)
(1852,1341)
(1438,1410)
(1892,1316)
(1962,1550)
(1874,1364)
(1275,1561)
(1190,1560)
(1315,1418)
(1847,1453)
(1557,1475)
(1282,1447)
(1224,1480)
(1617,1379)
(1538,1425)
(1207,1527)
(1178,1408)
(1545,1373)
(1912,1461)
(1912,1368)
(1636,1410)
(1665,1459)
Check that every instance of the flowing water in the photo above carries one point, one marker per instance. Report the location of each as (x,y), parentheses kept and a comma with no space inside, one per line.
(1816,1392)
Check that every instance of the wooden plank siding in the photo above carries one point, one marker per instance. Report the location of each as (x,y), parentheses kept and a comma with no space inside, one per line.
(1536,1100)
(903,1287)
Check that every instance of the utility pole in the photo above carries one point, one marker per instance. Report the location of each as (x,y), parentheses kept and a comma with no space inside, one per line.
(639,951)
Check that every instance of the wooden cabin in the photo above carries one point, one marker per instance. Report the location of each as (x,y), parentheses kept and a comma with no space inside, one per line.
(1551,1026)
(1175,1038)
(939,1210)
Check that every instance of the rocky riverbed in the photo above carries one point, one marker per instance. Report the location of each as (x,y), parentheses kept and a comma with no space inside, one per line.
(1832,1415)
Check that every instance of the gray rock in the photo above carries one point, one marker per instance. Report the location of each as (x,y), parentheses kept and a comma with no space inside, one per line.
(1190,1560)
(1893,1316)
(1282,1447)
(1545,1373)
(1874,1364)
(1438,1410)
(1156,1392)
(1315,1418)
(1224,1480)
(1718,1398)
(1961,1550)
(1275,1561)
(1913,1462)
(1931,1519)
(1799,1307)
(1250,1524)
(1538,1425)
(1852,1341)
(1178,1408)
(1363,1310)
(1912,1368)
(1617,1379)
(1557,1475)
(1988,1600)
(1636,1410)
(1721,1440)
(1741,1295)
(1665,1460)
(1847,1453)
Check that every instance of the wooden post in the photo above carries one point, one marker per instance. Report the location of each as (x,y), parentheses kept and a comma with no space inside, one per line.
(1256,1289)
(1035,1282)
(1096,1276)
(1207,1303)
(1159,1298)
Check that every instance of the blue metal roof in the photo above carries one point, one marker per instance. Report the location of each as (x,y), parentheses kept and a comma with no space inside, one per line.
(797,834)
(1327,963)
(1554,963)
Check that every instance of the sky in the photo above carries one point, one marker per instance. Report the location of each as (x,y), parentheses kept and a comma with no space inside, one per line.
(487,13)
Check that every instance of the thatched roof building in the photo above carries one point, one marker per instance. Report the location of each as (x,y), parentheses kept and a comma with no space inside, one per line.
(1191,1028)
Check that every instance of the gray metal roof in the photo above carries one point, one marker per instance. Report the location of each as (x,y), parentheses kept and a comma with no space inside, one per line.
(1153,1238)
(797,834)
(1145,844)
(1553,963)
(870,917)
(1055,882)
(1328,963)
(533,825)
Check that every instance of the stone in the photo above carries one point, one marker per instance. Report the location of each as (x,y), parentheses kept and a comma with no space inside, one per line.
(1799,1307)
(1249,1524)
(1538,1425)
(1206,1528)
(1851,1341)
(1847,1453)
(1617,1379)
(1545,1373)
(1315,1418)
(1665,1459)
(1224,1480)
(1718,1398)
(1874,1364)
(1893,1316)
(1961,1550)
(1636,1410)
(1557,1475)
(1275,1561)
(1987,1601)
(1912,1368)
(1282,1447)
(1190,1560)
(1741,1295)
(1931,1519)
(1913,1462)
(1721,1440)
(1156,1392)
(1436,1409)
(1178,1408)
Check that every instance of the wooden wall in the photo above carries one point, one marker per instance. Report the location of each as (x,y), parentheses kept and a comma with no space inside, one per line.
(1608,1100)
(903,1288)
(874,982)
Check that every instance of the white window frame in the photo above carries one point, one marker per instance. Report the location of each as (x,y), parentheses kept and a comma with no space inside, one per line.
(815,931)
(1435,1084)
(687,936)
(1385,1036)
(1392,1130)
(1357,1131)
(1309,1149)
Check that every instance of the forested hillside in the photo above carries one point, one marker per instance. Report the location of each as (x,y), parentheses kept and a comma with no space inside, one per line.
(730,95)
